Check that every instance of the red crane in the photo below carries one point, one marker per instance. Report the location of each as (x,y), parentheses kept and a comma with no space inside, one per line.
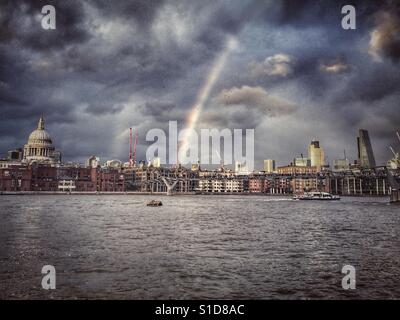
(134,150)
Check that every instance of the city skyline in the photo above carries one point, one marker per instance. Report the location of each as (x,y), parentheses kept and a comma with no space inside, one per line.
(40,147)
(140,64)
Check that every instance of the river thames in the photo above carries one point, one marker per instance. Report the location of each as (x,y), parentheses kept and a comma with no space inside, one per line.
(198,247)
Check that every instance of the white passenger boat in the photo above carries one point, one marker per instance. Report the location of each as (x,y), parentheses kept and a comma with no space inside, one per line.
(316,196)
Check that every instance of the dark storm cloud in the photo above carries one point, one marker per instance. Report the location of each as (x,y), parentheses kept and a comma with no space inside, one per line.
(324,12)
(160,113)
(26,93)
(334,75)
(155,66)
(102,109)
(367,88)
(20,23)
(142,12)
(385,39)
(244,108)
(319,68)
(157,108)
(8,98)
(254,98)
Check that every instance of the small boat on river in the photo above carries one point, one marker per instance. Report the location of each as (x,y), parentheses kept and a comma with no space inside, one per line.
(154,203)
(316,196)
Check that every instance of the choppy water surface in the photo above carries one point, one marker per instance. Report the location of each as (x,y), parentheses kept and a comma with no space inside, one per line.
(211,247)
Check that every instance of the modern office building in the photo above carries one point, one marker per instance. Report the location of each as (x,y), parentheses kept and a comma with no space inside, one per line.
(241,169)
(302,162)
(366,157)
(341,165)
(269,166)
(156,162)
(316,154)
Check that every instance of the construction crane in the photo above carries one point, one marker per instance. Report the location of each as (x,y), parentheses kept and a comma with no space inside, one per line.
(394,153)
(134,149)
(395,162)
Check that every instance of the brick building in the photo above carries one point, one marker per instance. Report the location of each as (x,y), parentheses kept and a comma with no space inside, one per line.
(15,178)
(42,177)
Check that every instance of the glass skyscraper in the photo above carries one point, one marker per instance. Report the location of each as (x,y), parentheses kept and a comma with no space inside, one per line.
(366,157)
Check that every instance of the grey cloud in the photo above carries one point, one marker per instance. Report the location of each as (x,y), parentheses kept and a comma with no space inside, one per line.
(323,13)
(141,11)
(103,109)
(162,112)
(368,85)
(254,97)
(385,40)
(238,118)
(337,65)
(280,65)
(21,23)
(244,108)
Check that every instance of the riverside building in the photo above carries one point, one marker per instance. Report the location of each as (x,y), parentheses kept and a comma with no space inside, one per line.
(269,166)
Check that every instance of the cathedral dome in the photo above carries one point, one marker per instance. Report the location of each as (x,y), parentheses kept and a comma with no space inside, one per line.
(40,136)
(39,146)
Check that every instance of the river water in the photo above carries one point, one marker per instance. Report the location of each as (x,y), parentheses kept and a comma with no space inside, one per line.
(198,247)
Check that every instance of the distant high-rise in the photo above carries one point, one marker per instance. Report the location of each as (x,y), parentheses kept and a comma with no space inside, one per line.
(93,162)
(316,154)
(241,168)
(269,166)
(341,164)
(302,162)
(366,157)
(156,162)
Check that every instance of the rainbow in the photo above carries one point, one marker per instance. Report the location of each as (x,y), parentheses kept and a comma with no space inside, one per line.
(204,93)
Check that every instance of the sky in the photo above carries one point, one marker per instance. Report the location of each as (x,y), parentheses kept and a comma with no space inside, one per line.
(293,75)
